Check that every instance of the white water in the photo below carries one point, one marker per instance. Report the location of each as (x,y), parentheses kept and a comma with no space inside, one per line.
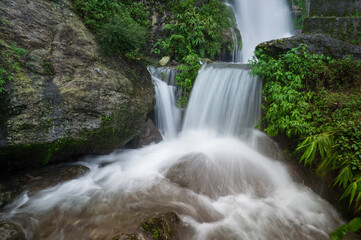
(220,186)
(260,21)
(213,176)
(167,114)
(230,100)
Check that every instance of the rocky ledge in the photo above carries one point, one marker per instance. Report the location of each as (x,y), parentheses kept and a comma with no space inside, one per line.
(316,43)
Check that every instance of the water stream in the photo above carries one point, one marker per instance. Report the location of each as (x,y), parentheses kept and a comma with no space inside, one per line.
(217,173)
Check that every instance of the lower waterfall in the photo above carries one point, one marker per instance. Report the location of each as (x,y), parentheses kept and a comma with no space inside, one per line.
(215,175)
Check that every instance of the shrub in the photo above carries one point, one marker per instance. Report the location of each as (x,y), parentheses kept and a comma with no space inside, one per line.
(316,100)
(121,35)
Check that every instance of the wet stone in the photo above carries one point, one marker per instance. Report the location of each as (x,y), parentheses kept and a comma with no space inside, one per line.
(9,231)
(125,236)
(38,180)
(161,227)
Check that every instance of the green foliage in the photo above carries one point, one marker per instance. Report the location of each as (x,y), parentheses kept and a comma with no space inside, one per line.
(193,31)
(317,99)
(121,25)
(286,101)
(121,35)
(197,28)
(340,233)
(187,74)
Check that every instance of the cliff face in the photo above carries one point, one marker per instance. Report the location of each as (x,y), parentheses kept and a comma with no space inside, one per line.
(340,19)
(334,8)
(63,99)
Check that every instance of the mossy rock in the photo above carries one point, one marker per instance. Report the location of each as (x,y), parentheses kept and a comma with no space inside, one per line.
(161,227)
(65,100)
(316,43)
(10,231)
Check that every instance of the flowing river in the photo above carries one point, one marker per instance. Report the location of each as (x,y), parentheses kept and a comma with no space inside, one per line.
(219,174)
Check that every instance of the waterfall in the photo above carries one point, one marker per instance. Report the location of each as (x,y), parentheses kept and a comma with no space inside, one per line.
(260,21)
(218,174)
(167,114)
(226,99)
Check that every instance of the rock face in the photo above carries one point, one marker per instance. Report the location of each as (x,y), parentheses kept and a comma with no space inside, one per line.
(64,100)
(316,43)
(334,7)
(344,28)
(150,134)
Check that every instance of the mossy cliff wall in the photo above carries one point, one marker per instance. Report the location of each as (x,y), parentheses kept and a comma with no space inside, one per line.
(334,8)
(344,28)
(63,100)
(337,18)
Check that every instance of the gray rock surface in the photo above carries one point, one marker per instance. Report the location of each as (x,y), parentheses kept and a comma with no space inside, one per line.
(334,7)
(149,134)
(316,43)
(65,100)
(344,28)
(9,231)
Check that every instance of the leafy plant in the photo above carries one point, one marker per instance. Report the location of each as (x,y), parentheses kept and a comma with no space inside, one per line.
(340,233)
(121,35)
(317,99)
(187,74)
(121,25)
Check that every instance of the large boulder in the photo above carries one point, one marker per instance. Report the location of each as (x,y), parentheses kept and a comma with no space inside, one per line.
(64,99)
(316,43)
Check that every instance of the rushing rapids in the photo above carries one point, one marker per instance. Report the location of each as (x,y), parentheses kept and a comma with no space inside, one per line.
(217,173)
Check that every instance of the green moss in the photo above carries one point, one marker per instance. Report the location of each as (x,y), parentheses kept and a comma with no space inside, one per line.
(161,227)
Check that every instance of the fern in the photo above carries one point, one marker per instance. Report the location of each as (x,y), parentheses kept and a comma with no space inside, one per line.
(322,144)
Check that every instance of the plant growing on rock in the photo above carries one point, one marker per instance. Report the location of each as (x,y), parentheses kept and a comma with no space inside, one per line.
(187,74)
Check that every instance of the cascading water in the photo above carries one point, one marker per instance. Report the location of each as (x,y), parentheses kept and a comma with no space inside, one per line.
(212,175)
(230,100)
(260,21)
(167,114)
(220,186)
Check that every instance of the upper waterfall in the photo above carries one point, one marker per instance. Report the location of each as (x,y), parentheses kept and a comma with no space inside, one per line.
(260,21)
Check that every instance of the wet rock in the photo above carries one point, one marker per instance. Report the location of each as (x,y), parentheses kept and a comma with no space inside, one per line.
(65,100)
(316,43)
(9,231)
(149,134)
(205,175)
(163,226)
(38,180)
(125,236)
